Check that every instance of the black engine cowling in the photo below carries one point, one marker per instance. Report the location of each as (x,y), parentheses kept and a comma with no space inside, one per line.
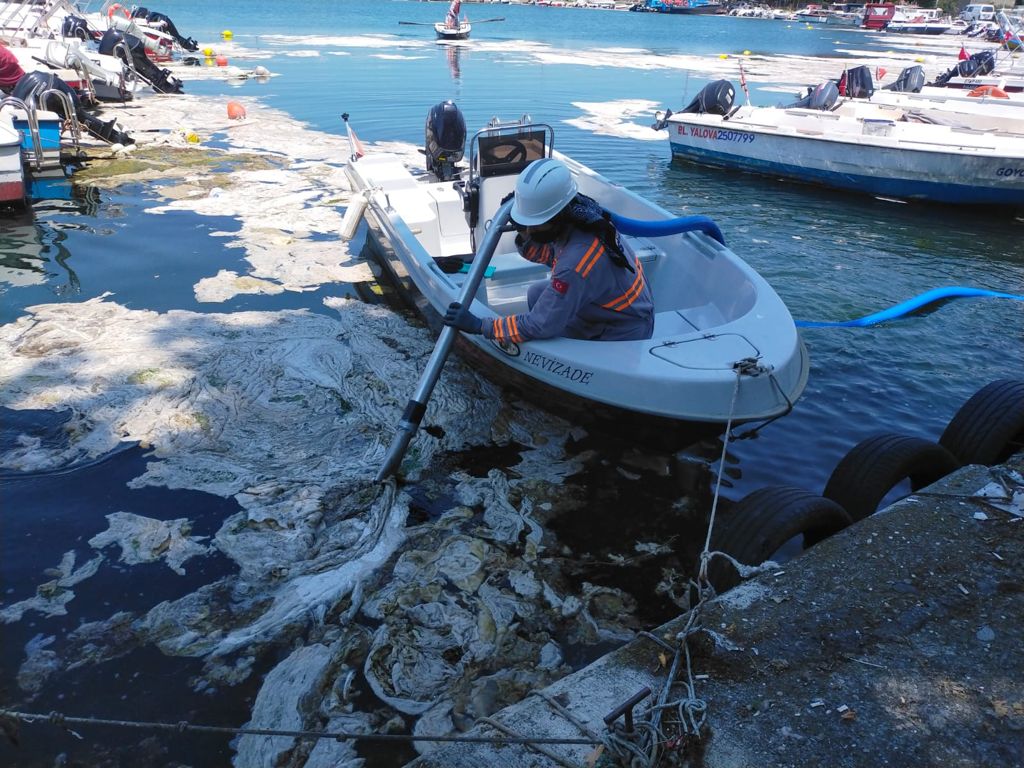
(161,79)
(823,97)
(857,83)
(445,142)
(715,98)
(32,88)
(911,80)
(977,65)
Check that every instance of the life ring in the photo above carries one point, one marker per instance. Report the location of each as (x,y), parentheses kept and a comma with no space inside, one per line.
(118,7)
(763,521)
(877,465)
(990,91)
(989,427)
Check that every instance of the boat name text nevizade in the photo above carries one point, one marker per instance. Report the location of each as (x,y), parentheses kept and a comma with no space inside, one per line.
(577,375)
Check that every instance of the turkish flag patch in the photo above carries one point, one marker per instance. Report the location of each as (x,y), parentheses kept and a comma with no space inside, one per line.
(560,285)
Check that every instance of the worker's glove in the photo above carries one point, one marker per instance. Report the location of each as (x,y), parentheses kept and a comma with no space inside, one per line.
(459,317)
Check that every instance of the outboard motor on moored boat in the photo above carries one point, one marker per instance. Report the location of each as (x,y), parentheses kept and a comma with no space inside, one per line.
(856,83)
(76,26)
(979,64)
(445,141)
(715,98)
(161,79)
(822,97)
(158,19)
(32,87)
(911,80)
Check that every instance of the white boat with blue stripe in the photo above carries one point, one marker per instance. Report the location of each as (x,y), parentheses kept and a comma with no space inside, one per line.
(812,142)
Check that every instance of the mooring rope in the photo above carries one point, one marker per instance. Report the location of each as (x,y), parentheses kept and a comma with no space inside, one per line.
(643,747)
(183,726)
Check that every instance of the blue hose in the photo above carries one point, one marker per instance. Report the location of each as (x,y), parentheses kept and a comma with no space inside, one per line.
(662,227)
(910,306)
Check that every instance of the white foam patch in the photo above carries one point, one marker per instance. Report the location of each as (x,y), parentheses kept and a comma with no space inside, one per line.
(289,216)
(610,118)
(345,41)
(395,57)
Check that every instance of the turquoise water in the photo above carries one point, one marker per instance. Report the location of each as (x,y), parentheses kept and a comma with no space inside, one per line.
(830,255)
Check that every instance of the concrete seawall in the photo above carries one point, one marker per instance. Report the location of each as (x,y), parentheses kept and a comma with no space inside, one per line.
(896,642)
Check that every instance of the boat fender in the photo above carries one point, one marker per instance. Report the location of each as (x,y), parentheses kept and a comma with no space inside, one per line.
(353,215)
(991,91)
(662,227)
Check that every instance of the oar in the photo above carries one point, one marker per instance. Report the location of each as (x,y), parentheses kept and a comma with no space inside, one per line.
(484,21)
(417,405)
(418,23)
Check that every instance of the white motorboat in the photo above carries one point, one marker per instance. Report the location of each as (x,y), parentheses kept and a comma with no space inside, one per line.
(725,347)
(876,155)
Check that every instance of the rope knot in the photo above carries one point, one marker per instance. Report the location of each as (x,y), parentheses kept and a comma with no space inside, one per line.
(58,719)
(749,366)
(182,726)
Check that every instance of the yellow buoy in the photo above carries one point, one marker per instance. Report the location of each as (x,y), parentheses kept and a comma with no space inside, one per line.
(746,53)
(919,60)
(227,34)
(723,56)
(208,52)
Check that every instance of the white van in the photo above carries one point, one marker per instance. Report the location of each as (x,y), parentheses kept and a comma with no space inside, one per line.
(978,12)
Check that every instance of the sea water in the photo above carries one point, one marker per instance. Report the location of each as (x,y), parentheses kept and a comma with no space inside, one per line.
(597,77)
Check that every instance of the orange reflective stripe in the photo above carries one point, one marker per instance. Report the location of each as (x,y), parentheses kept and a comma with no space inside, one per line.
(629,296)
(591,257)
(513,326)
(496,329)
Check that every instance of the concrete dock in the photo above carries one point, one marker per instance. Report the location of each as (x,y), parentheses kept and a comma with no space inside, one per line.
(896,642)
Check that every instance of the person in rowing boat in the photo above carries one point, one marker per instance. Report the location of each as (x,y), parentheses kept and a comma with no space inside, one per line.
(597,288)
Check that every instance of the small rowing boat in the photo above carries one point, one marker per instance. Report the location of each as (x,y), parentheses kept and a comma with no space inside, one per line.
(725,348)
(459,31)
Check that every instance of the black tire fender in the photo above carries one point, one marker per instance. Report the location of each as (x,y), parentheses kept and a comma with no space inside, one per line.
(878,464)
(765,519)
(989,427)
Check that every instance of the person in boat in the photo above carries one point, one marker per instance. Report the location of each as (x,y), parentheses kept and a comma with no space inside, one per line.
(452,19)
(10,69)
(597,288)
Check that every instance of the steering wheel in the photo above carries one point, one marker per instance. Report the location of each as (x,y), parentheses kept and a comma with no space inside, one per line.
(515,152)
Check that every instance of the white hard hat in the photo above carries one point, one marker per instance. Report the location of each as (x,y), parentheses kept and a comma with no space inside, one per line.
(544,188)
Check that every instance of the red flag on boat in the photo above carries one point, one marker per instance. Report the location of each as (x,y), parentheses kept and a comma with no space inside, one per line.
(964,56)
(879,73)
(743,83)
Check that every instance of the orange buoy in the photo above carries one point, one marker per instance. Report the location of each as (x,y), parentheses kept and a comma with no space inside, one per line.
(235,111)
(990,91)
(222,61)
(118,7)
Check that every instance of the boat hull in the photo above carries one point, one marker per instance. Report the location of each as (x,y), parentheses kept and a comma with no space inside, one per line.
(460,32)
(918,166)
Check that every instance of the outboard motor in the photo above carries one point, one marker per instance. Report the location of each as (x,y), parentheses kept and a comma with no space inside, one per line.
(76,26)
(714,99)
(33,84)
(977,65)
(140,13)
(822,97)
(161,79)
(857,83)
(160,19)
(445,139)
(911,80)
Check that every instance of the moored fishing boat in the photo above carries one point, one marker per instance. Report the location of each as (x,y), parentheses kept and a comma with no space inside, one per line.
(724,348)
(882,157)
